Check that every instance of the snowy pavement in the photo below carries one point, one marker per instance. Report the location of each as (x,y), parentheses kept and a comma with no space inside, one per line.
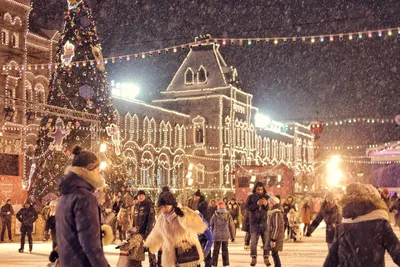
(309,252)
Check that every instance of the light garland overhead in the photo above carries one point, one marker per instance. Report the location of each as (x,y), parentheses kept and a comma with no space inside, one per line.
(350,121)
(106,60)
(312,39)
(355,147)
(385,162)
(323,38)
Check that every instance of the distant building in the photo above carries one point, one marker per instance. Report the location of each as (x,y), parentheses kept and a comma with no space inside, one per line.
(20,90)
(204,119)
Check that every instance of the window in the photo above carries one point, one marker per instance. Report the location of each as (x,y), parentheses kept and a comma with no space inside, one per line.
(4,37)
(200,174)
(189,76)
(199,136)
(202,75)
(14,40)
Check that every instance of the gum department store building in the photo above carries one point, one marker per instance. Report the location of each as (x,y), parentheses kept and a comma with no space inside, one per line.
(203,119)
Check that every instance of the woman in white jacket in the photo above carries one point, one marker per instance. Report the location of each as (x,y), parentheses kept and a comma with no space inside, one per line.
(176,231)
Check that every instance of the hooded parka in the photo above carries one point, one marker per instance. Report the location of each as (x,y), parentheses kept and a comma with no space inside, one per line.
(78,220)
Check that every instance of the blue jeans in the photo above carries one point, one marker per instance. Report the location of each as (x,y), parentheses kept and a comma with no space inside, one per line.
(254,236)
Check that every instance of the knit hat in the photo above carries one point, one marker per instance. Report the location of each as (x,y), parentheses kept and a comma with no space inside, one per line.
(385,191)
(198,193)
(166,198)
(274,200)
(221,205)
(141,192)
(84,158)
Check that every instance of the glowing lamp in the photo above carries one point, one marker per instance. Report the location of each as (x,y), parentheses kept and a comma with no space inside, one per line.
(190,182)
(190,167)
(103,165)
(188,175)
(103,148)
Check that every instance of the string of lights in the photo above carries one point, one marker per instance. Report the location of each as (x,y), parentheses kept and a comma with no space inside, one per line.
(312,39)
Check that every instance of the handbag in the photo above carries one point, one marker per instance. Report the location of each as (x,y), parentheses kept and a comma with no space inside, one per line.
(186,254)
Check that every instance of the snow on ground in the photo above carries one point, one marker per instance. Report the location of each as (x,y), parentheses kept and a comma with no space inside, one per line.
(311,251)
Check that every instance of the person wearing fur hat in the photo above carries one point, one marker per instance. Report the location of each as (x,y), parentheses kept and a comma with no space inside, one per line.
(144,220)
(331,214)
(27,216)
(223,228)
(6,212)
(365,232)
(176,232)
(257,207)
(275,231)
(77,213)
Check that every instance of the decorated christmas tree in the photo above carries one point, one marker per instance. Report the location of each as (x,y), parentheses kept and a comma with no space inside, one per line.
(80,91)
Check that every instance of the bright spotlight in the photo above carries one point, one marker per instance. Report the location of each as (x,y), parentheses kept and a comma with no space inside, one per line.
(125,90)
(103,165)
(103,148)
(262,121)
(334,174)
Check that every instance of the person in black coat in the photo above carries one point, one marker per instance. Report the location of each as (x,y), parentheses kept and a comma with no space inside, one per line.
(27,216)
(78,214)
(202,206)
(365,232)
(51,222)
(144,220)
(6,212)
(257,207)
(331,214)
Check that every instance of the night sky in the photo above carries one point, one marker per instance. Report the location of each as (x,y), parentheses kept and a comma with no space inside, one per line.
(358,78)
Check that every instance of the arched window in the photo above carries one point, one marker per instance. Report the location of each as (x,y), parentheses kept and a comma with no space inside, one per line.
(199,135)
(4,37)
(189,76)
(199,131)
(146,128)
(153,132)
(168,134)
(202,75)
(15,40)
(162,134)
(200,174)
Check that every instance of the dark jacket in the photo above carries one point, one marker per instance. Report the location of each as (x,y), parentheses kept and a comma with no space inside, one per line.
(202,207)
(362,241)
(257,214)
(27,216)
(332,218)
(4,210)
(233,208)
(275,229)
(222,226)
(78,223)
(144,218)
(287,207)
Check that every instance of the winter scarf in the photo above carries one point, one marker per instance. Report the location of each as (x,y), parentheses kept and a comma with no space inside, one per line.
(221,210)
(373,215)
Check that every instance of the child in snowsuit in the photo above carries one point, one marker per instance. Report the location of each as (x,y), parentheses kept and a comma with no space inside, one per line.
(223,229)
(294,223)
(133,248)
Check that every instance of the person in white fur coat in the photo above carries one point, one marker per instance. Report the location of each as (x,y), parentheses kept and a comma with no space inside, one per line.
(175,228)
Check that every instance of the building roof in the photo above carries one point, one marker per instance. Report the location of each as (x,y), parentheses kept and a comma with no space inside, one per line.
(207,56)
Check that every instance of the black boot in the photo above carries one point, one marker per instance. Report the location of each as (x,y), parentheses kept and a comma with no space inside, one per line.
(21,250)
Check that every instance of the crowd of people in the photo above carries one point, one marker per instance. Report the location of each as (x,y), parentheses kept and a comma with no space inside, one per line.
(196,232)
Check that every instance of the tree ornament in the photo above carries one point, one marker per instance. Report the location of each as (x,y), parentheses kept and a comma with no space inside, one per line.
(96,51)
(316,127)
(397,120)
(58,135)
(72,4)
(69,53)
(113,131)
(86,91)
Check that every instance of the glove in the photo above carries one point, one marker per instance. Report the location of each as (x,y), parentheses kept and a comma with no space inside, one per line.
(232,240)
(273,244)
